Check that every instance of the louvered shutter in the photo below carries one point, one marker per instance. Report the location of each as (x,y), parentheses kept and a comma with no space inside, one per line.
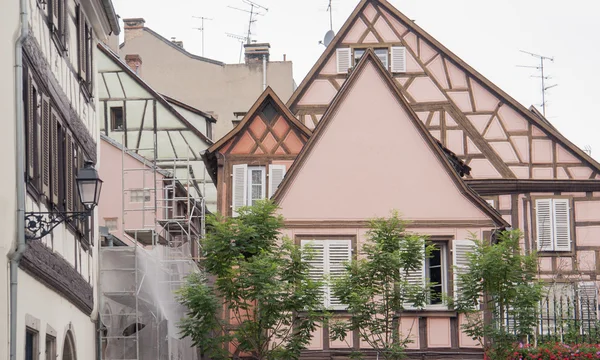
(54,165)
(562,225)
(339,252)
(316,262)
(588,304)
(460,260)
(55,9)
(81,43)
(45,160)
(415,277)
(69,176)
(398,59)
(343,60)
(276,174)
(30,108)
(543,218)
(239,185)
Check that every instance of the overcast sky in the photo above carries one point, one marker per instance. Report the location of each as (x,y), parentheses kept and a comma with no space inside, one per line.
(486,34)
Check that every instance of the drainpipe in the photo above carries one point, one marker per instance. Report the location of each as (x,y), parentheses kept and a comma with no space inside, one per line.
(16,255)
(264,72)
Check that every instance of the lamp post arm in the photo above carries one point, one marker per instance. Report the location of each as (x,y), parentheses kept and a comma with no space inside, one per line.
(40,224)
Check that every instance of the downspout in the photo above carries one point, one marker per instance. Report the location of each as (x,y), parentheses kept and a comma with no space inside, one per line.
(264,72)
(15,256)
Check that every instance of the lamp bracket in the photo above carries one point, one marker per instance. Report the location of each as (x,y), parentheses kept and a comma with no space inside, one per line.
(40,224)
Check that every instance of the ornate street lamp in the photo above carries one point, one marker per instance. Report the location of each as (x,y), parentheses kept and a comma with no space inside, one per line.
(89,185)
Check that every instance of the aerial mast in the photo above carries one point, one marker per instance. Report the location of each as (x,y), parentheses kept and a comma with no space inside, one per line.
(201,28)
(542,75)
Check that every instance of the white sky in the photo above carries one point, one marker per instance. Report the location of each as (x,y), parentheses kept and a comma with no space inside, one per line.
(486,34)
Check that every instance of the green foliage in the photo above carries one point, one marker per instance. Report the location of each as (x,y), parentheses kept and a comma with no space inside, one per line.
(507,278)
(264,283)
(376,287)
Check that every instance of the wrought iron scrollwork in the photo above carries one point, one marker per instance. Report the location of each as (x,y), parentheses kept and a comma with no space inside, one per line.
(40,224)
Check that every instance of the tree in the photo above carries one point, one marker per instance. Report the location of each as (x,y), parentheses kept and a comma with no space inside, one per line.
(272,304)
(507,280)
(379,285)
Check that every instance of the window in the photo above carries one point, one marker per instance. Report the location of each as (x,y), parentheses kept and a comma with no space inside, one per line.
(327,260)
(553,224)
(31,344)
(111,223)
(50,347)
(358,53)
(256,184)
(436,271)
(85,51)
(68,352)
(249,184)
(33,132)
(138,196)
(116,119)
(381,53)
(57,22)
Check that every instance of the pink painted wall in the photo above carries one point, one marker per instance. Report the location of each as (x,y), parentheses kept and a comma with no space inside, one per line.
(353,174)
(111,198)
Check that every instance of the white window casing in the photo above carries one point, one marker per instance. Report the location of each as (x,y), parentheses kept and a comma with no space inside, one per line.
(328,261)
(398,60)
(254,183)
(239,183)
(344,60)
(276,174)
(553,224)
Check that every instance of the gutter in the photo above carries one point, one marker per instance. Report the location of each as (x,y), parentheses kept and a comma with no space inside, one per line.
(16,255)
(112,16)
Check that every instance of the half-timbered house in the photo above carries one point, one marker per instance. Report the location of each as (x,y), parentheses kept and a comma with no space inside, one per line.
(50,130)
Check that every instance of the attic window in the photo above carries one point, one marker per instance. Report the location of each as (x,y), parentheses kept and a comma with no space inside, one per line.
(381,53)
(116,118)
(269,112)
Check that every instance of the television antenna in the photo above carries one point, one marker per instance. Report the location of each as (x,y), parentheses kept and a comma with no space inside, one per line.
(255,10)
(242,39)
(542,75)
(329,35)
(588,150)
(201,28)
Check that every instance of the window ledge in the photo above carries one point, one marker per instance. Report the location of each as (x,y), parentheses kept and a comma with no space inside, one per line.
(431,313)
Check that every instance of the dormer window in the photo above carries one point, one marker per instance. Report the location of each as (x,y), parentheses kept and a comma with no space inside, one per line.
(381,53)
(392,58)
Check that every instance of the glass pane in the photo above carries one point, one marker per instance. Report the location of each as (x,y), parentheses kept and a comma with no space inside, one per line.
(256,192)
(382,54)
(436,257)
(256,177)
(358,53)
(29,344)
(435,275)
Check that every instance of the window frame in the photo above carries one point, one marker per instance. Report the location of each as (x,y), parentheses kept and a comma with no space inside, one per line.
(113,118)
(58,31)
(249,183)
(445,262)
(35,345)
(363,50)
(140,194)
(85,51)
(534,225)
(50,345)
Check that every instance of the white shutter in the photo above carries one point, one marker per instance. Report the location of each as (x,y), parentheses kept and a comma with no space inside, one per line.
(276,174)
(416,278)
(543,218)
(588,303)
(343,60)
(460,260)
(398,59)
(317,261)
(562,225)
(239,185)
(339,252)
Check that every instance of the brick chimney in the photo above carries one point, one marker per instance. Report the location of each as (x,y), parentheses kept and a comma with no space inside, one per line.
(254,52)
(134,61)
(133,27)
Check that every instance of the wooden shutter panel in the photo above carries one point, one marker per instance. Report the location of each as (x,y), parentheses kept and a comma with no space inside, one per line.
(415,277)
(398,59)
(54,166)
(543,218)
(46,133)
(55,9)
(276,174)
(30,126)
(588,303)
(460,260)
(316,262)
(339,252)
(81,43)
(69,176)
(562,225)
(239,185)
(343,60)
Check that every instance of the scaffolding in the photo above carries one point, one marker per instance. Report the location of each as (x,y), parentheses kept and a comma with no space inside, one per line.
(162,224)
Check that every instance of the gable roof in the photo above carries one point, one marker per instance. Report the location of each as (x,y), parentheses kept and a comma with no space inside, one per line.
(178,48)
(190,108)
(531,116)
(115,58)
(370,57)
(266,96)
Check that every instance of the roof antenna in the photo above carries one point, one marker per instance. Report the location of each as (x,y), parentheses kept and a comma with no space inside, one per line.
(201,28)
(254,10)
(545,88)
(588,150)
(329,35)
(242,39)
